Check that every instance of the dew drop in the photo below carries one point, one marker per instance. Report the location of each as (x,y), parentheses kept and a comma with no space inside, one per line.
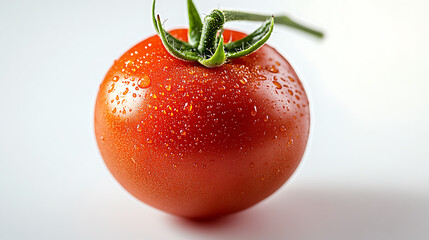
(148,140)
(115,78)
(262,77)
(243,81)
(168,87)
(252,165)
(126,91)
(266,118)
(254,111)
(112,87)
(144,82)
(278,85)
(272,69)
(139,128)
(291,79)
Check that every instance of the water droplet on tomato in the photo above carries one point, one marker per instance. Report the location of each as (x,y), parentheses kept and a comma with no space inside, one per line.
(254,111)
(262,77)
(291,79)
(148,140)
(272,69)
(144,82)
(126,91)
(278,85)
(168,87)
(139,128)
(112,87)
(252,165)
(266,118)
(115,78)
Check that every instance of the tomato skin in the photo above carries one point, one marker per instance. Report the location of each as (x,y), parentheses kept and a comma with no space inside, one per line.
(201,142)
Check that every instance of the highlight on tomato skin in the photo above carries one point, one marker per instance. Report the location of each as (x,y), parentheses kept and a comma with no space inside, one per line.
(201,142)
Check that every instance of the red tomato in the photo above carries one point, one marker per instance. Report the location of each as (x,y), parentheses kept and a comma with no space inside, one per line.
(201,142)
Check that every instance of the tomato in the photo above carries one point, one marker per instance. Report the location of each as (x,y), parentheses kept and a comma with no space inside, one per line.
(201,142)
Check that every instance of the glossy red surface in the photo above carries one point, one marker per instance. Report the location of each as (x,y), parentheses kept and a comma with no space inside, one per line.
(200,142)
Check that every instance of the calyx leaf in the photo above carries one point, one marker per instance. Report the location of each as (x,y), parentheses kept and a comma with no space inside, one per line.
(206,44)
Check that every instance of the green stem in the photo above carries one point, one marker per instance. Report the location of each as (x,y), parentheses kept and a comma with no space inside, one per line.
(212,24)
(282,19)
(205,38)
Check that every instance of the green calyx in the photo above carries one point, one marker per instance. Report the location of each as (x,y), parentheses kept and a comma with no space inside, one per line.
(206,44)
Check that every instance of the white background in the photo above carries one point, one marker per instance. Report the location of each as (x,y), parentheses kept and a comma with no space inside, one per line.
(365,172)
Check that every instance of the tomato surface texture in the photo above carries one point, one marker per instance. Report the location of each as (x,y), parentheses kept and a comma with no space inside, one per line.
(201,142)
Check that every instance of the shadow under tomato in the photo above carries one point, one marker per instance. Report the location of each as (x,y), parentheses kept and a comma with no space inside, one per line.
(323,214)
